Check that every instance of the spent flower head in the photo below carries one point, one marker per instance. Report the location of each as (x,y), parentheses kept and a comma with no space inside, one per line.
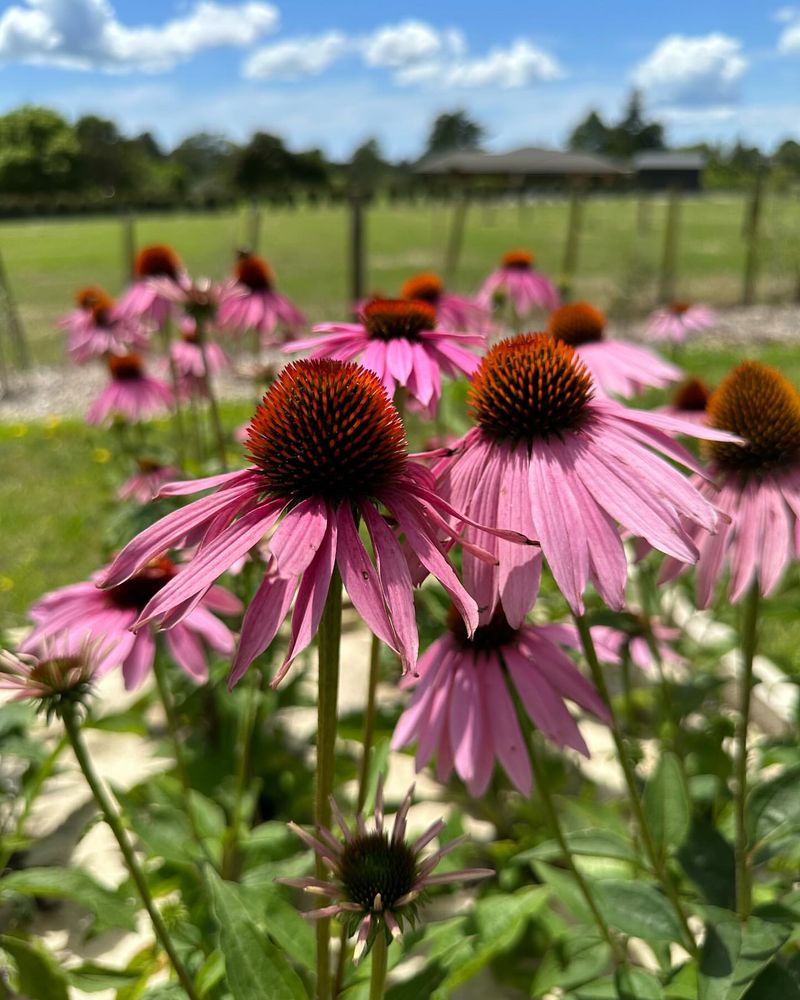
(60,676)
(377,879)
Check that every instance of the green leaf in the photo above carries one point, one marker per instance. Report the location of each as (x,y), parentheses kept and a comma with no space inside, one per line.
(683,983)
(112,910)
(774,983)
(707,858)
(92,978)
(762,938)
(211,972)
(571,962)
(255,968)
(38,974)
(638,909)
(591,843)
(718,958)
(773,807)
(637,984)
(666,803)
(282,921)
(500,921)
(564,889)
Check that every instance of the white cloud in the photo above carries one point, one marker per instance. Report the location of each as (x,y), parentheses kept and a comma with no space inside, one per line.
(785,14)
(693,71)
(297,58)
(404,44)
(518,65)
(85,34)
(789,40)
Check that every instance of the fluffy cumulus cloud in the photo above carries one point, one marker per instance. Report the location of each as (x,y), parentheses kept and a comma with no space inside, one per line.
(414,52)
(789,40)
(300,57)
(86,34)
(693,71)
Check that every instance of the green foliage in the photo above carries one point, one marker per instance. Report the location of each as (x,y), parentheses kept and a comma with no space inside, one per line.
(666,803)
(453,131)
(39,976)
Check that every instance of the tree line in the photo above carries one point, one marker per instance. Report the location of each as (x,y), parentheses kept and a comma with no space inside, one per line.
(48,163)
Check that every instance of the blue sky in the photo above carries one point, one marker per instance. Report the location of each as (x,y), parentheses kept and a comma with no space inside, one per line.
(333,74)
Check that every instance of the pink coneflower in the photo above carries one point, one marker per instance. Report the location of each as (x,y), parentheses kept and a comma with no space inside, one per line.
(145,299)
(689,401)
(131,395)
(143,485)
(82,610)
(674,322)
(378,880)
(190,359)
(400,342)
(757,486)
(251,302)
(95,328)
(453,312)
(61,675)
(556,462)
(631,637)
(326,444)
(463,711)
(617,368)
(517,279)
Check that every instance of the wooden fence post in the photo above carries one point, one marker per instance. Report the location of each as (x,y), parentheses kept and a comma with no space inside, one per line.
(569,263)
(128,247)
(357,263)
(669,257)
(752,234)
(12,321)
(456,237)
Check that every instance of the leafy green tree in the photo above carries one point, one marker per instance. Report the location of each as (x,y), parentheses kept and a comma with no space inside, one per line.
(263,166)
(39,152)
(592,135)
(633,133)
(104,158)
(454,131)
(367,168)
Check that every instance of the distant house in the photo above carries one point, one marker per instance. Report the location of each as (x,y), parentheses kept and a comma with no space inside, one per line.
(662,171)
(521,167)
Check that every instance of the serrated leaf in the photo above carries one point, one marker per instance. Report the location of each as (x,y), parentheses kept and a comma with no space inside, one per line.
(111,909)
(718,958)
(666,803)
(638,909)
(254,967)
(39,975)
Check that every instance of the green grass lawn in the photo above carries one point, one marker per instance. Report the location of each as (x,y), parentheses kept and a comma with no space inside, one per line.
(618,263)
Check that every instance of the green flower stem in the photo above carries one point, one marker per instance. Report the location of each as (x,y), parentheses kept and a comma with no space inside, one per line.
(213,406)
(380,954)
(543,787)
(165,696)
(657,863)
(328,641)
(748,640)
(112,817)
(180,438)
(369,721)
(244,745)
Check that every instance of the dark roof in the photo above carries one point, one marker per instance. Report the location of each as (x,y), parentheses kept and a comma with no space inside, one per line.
(665,160)
(526,161)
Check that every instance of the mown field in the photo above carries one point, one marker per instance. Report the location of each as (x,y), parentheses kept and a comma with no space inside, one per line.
(620,251)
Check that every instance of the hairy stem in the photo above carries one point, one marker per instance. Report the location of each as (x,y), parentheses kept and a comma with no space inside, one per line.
(748,640)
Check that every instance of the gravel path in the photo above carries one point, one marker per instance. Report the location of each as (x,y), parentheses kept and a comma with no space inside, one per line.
(67,391)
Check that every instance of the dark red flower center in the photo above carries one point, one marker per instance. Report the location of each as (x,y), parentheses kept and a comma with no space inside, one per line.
(530,387)
(147,465)
(373,865)
(254,273)
(125,367)
(397,319)
(518,260)
(761,405)
(101,315)
(327,428)
(693,395)
(93,297)
(157,261)
(679,307)
(425,287)
(496,633)
(577,323)
(136,592)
